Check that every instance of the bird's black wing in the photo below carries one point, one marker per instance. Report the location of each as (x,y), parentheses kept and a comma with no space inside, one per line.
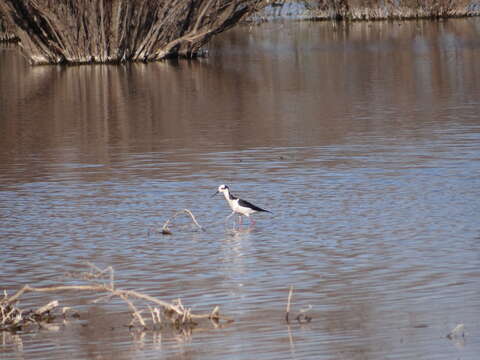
(245,203)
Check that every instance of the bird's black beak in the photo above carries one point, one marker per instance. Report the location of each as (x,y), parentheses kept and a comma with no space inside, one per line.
(215,193)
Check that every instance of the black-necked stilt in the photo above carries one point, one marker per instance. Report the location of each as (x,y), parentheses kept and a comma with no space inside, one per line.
(239,206)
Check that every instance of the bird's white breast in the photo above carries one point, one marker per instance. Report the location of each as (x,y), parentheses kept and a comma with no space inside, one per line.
(234,205)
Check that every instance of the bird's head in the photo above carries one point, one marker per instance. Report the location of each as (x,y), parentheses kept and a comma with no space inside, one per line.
(221,189)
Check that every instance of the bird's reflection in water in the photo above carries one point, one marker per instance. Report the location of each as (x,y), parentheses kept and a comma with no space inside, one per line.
(236,248)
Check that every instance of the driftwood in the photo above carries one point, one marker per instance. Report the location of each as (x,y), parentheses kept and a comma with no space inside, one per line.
(13,318)
(100,31)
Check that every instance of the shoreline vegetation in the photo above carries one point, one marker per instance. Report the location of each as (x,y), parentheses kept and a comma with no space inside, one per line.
(368,10)
(81,31)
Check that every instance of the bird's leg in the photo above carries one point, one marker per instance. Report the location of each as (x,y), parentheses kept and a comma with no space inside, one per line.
(229,216)
(235,223)
(240,219)
(252,221)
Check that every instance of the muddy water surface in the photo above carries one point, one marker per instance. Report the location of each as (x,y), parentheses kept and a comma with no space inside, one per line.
(363,140)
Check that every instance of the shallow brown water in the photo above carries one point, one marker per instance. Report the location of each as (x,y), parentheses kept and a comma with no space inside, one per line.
(363,140)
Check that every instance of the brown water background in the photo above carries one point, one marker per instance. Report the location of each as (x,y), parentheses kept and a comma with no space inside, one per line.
(362,139)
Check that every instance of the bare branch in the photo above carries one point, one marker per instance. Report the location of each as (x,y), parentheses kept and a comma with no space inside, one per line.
(46,308)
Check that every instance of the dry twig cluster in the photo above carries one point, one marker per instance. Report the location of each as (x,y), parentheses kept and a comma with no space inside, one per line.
(161,313)
(13,318)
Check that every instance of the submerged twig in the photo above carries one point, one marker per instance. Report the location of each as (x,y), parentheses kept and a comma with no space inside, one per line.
(301,316)
(287,313)
(457,332)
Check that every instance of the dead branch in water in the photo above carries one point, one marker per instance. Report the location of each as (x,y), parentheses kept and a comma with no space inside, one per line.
(165,228)
(13,318)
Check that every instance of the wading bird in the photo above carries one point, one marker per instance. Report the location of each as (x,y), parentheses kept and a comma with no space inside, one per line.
(239,206)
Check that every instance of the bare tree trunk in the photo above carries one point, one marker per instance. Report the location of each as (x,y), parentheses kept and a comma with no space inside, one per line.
(84,31)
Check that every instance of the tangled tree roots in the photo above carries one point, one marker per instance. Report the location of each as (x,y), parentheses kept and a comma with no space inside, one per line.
(162,314)
(84,31)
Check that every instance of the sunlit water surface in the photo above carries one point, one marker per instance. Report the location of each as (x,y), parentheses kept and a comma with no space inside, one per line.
(363,140)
